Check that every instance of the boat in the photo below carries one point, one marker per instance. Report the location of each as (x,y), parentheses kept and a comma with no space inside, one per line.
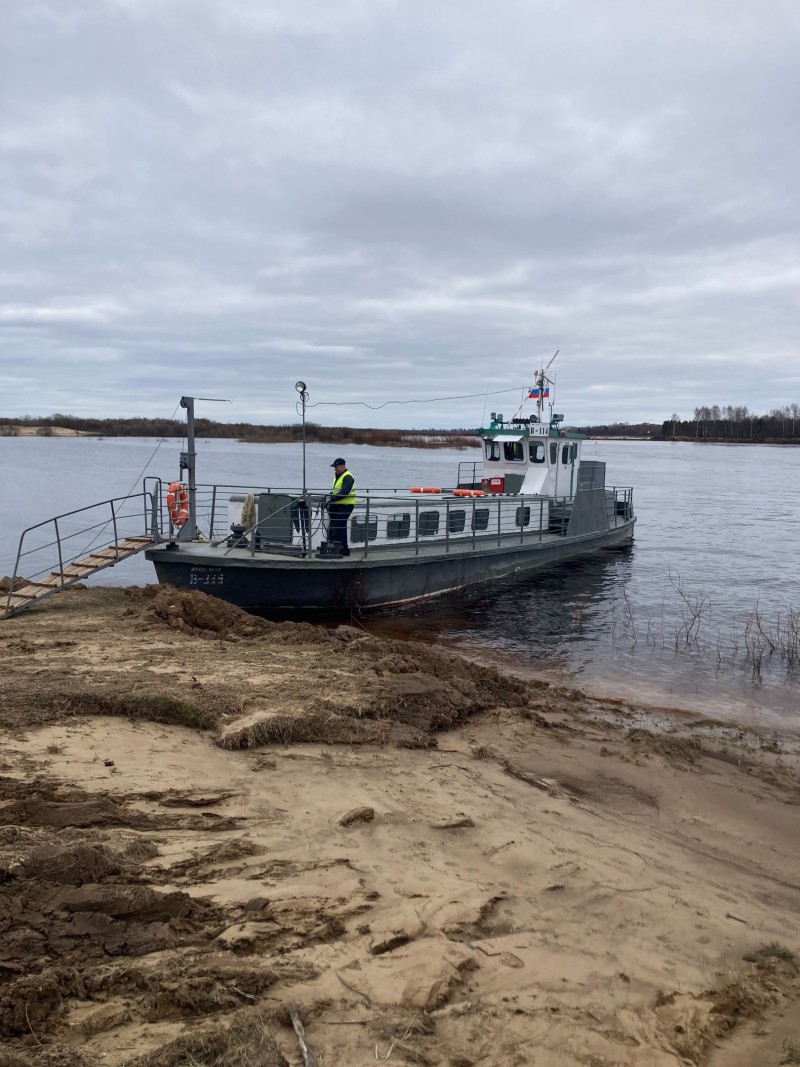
(531,501)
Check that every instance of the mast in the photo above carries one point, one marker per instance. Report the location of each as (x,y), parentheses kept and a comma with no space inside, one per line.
(188,462)
(541,382)
(539,394)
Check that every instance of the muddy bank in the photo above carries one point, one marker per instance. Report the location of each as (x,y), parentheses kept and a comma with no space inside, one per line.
(264,682)
(209,822)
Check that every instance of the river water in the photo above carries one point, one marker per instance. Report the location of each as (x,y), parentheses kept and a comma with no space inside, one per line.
(685,617)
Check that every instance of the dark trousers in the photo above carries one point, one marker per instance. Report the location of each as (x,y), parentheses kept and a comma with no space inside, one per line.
(337,531)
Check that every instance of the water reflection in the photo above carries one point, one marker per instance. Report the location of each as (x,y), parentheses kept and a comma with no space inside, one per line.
(575,624)
(533,620)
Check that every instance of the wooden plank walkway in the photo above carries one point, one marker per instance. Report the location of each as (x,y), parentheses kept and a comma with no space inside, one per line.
(31,592)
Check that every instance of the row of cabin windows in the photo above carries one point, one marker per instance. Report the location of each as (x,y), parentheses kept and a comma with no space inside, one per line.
(399,526)
(514,452)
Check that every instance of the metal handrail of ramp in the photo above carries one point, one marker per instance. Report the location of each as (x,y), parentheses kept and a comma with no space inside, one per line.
(61,551)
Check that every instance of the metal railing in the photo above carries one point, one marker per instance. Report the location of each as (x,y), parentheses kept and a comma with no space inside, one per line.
(623,504)
(452,523)
(469,474)
(495,517)
(51,547)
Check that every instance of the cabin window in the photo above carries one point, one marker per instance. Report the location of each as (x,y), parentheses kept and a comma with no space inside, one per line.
(513,452)
(492,450)
(566,454)
(523,517)
(361,531)
(480,519)
(428,523)
(398,526)
(574,452)
(456,520)
(553,453)
(537,452)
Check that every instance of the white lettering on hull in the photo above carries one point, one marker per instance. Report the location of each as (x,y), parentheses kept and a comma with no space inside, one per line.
(207,576)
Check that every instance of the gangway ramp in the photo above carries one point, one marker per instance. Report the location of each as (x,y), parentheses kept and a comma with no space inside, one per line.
(30,592)
(57,553)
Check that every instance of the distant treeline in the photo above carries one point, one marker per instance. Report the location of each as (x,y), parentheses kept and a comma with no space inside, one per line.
(622,429)
(243,431)
(713,424)
(707,423)
(731,423)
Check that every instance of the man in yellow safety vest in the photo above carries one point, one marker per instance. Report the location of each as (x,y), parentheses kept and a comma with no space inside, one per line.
(343,497)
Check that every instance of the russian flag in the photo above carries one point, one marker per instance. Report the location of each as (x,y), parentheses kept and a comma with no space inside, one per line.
(536,392)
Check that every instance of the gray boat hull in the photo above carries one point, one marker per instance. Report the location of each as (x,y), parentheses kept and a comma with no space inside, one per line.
(359,582)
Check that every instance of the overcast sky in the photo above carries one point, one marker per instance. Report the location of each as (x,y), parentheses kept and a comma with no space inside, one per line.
(398,200)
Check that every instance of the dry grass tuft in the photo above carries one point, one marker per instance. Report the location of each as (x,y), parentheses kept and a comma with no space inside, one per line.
(681,749)
(482,752)
(773,951)
(49,705)
(16,842)
(249,1041)
(320,727)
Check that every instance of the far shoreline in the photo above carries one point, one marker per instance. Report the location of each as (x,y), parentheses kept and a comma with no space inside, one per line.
(408,438)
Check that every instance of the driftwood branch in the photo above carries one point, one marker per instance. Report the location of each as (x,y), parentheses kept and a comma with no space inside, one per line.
(309,1059)
(531,779)
(453,824)
(353,989)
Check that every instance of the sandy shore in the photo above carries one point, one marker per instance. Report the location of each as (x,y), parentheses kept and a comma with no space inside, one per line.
(41,431)
(211,826)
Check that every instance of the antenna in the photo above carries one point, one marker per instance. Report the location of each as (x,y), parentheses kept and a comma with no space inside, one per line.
(302,394)
(551,381)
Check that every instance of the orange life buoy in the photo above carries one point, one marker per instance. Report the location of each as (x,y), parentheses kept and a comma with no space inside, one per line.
(425,489)
(178,503)
(468,492)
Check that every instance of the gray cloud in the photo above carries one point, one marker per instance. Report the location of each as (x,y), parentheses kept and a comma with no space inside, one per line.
(398,200)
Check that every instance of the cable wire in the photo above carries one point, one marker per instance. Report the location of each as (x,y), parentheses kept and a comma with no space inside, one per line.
(432,400)
(100,535)
(161,442)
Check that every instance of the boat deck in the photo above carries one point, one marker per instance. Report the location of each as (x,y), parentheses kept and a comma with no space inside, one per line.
(371,555)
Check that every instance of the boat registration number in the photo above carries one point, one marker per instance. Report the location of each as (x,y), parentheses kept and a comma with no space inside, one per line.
(206,576)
